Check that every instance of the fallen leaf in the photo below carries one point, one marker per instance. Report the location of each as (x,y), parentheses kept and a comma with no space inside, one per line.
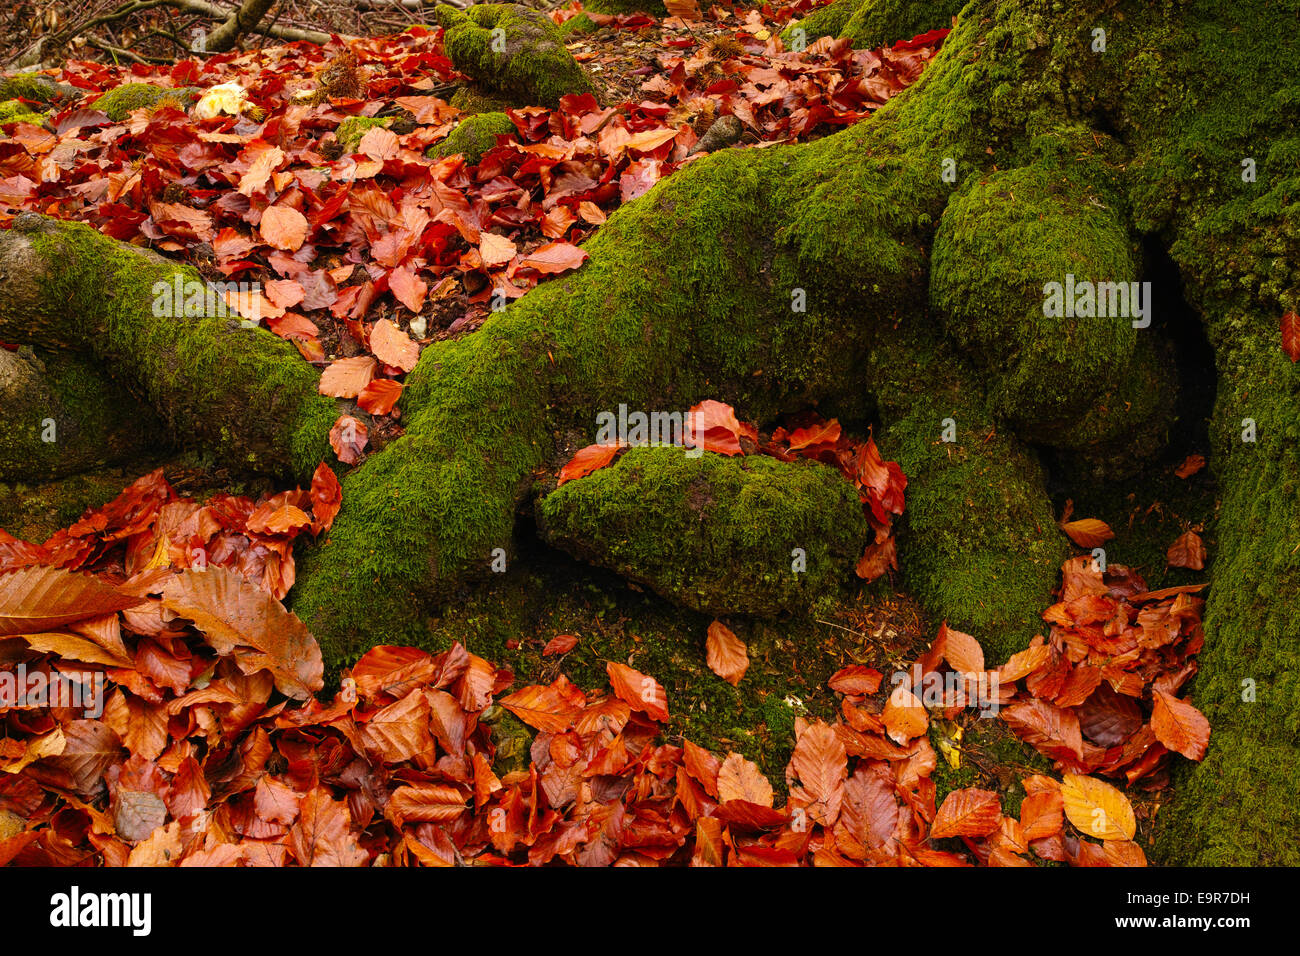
(726,653)
(1097,809)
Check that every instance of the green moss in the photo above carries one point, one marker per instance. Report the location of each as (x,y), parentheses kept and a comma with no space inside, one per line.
(119,103)
(60,416)
(474,136)
(12,111)
(1043,371)
(242,392)
(351,130)
(873,23)
(580,25)
(992,758)
(514,50)
(715,534)
(33,87)
(880,22)
(763,278)
(472,100)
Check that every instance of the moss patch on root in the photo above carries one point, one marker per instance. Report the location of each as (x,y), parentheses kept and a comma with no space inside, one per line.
(1042,371)
(243,393)
(12,111)
(873,23)
(117,104)
(716,534)
(59,415)
(473,136)
(514,50)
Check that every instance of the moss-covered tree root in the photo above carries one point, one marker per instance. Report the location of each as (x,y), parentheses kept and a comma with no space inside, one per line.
(240,392)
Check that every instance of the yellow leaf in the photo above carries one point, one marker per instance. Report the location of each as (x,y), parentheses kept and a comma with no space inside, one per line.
(1097,808)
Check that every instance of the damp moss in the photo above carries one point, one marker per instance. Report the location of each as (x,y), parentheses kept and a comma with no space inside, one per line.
(720,535)
(514,50)
(32,87)
(474,136)
(202,374)
(351,130)
(12,111)
(873,23)
(1042,371)
(119,103)
(61,415)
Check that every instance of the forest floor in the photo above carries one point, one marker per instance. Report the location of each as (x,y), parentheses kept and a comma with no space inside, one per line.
(210,746)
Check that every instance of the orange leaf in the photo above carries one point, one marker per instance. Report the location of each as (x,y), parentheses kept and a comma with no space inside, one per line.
(284,227)
(560,644)
(1187,552)
(233,613)
(587,460)
(740,779)
(41,599)
(541,707)
(961,651)
(554,257)
(727,655)
(1291,335)
(856,679)
(904,715)
(345,378)
(1190,466)
(1179,726)
(638,691)
(970,812)
(822,765)
(379,396)
(1088,532)
(1042,814)
(392,346)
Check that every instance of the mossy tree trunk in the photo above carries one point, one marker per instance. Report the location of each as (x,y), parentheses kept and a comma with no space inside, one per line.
(894,271)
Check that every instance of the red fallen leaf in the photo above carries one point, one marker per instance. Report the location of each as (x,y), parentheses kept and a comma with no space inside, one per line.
(1024,663)
(1291,335)
(392,346)
(904,715)
(1190,466)
(38,599)
(1042,814)
(408,288)
(726,653)
(686,9)
(856,679)
(1088,532)
(740,779)
(826,433)
(713,426)
(379,396)
(560,644)
(326,498)
(323,834)
(1187,552)
(883,480)
(235,614)
(591,213)
(879,557)
(970,812)
(961,651)
(348,438)
(270,519)
(283,227)
(379,143)
(822,765)
(542,707)
(554,258)
(638,691)
(346,378)
(400,731)
(285,294)
(1179,726)
(587,460)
